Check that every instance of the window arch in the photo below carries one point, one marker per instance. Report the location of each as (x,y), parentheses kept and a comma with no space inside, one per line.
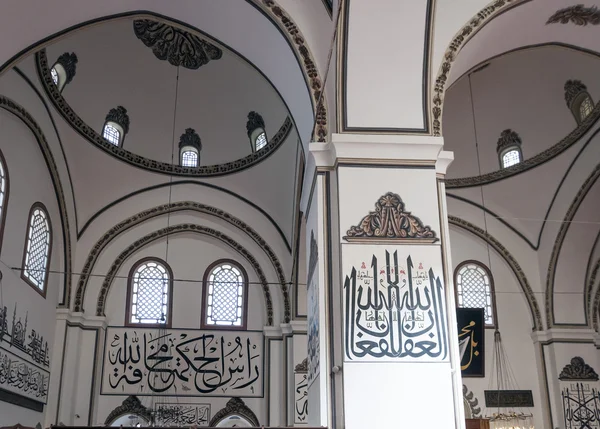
(509,149)
(63,70)
(116,125)
(149,293)
(4,188)
(225,296)
(38,246)
(189,148)
(475,289)
(578,100)
(256,131)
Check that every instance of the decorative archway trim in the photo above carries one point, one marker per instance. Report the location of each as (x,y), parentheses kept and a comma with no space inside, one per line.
(164,209)
(131,405)
(536,315)
(558,243)
(20,112)
(178,229)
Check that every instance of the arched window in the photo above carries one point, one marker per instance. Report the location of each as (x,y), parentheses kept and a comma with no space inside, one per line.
(509,149)
(63,70)
(189,148)
(38,245)
(149,297)
(475,289)
(578,100)
(225,296)
(4,187)
(256,131)
(116,125)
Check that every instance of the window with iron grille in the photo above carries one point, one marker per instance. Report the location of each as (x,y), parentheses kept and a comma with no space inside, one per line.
(511,157)
(225,287)
(585,108)
(149,298)
(37,248)
(475,289)
(189,158)
(54,75)
(112,134)
(260,141)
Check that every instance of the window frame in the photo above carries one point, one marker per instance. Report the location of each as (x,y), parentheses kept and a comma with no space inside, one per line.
(128,313)
(42,291)
(61,74)
(256,133)
(577,103)
(510,149)
(185,149)
(204,312)
(119,128)
(4,202)
(492,289)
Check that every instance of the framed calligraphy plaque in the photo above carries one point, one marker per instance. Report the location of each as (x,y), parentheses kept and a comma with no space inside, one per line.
(181,362)
(23,378)
(394,304)
(508,398)
(471,341)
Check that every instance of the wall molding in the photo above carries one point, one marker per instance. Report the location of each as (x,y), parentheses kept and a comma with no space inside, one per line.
(178,229)
(166,209)
(20,112)
(536,315)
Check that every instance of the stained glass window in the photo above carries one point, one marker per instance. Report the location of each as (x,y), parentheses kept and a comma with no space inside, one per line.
(261,141)
(474,289)
(511,157)
(189,158)
(585,108)
(150,288)
(225,296)
(112,134)
(37,250)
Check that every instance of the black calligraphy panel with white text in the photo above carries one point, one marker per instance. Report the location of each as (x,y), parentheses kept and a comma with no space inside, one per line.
(394,303)
(177,362)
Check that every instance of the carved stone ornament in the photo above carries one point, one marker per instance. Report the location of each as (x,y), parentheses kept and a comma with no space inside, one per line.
(119,115)
(472,401)
(578,370)
(190,138)
(508,138)
(302,367)
(131,405)
(178,47)
(578,15)
(572,89)
(235,406)
(69,63)
(254,121)
(390,222)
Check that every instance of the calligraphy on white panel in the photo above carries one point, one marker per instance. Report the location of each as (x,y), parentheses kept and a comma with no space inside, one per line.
(183,362)
(21,377)
(394,304)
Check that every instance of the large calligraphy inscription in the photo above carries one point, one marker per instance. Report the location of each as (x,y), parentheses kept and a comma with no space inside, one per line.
(395,307)
(581,406)
(183,362)
(23,378)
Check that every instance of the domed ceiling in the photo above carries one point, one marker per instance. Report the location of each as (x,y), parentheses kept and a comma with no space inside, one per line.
(168,80)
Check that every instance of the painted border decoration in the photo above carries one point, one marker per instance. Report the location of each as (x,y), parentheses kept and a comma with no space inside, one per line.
(390,222)
(23,378)
(183,362)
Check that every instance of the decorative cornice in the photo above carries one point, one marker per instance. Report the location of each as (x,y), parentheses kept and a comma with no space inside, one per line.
(235,406)
(177,229)
(119,116)
(572,89)
(472,401)
(174,45)
(166,209)
(460,39)
(578,370)
(255,120)
(190,138)
(560,238)
(391,222)
(19,111)
(302,367)
(511,261)
(527,164)
(131,405)
(313,257)
(308,65)
(578,15)
(508,138)
(146,163)
(69,62)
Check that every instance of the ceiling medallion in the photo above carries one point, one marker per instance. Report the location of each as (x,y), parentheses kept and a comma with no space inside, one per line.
(178,47)
(391,222)
(578,15)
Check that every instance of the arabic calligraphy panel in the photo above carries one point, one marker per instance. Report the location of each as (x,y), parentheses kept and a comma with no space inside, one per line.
(300,398)
(22,377)
(183,362)
(182,414)
(471,341)
(394,304)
